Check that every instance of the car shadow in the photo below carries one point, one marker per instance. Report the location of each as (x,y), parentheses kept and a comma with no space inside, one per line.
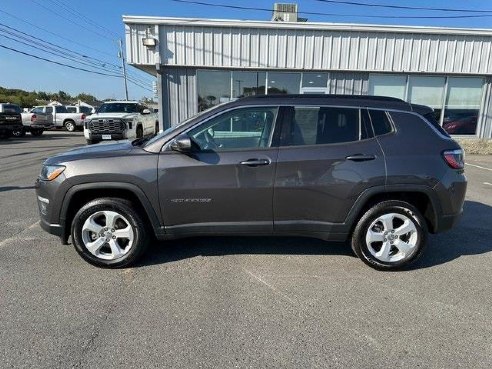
(470,237)
(15,188)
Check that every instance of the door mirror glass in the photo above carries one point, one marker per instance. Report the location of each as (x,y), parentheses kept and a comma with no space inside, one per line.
(182,143)
(146,111)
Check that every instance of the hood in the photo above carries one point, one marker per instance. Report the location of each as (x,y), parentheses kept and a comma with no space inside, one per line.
(111,115)
(101,150)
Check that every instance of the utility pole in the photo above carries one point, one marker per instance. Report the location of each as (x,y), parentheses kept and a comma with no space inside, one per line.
(120,55)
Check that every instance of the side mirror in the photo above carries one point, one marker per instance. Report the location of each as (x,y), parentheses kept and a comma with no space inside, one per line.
(182,143)
(146,111)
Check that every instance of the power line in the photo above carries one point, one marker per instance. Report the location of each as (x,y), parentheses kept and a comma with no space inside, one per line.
(55,34)
(78,24)
(237,7)
(76,13)
(59,63)
(63,52)
(405,7)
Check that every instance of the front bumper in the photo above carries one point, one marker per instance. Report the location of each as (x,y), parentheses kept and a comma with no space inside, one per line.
(54,229)
(114,136)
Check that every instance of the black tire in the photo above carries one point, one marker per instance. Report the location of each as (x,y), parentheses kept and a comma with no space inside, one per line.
(91,142)
(156,127)
(363,251)
(70,126)
(36,132)
(125,209)
(139,132)
(21,132)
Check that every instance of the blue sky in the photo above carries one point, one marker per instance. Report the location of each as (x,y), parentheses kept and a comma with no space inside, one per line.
(19,71)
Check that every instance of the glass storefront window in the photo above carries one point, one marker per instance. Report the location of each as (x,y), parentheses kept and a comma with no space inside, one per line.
(427,91)
(314,79)
(248,83)
(283,83)
(463,100)
(214,87)
(388,85)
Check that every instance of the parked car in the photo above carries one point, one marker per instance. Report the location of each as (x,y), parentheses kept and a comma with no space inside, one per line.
(61,117)
(81,109)
(371,170)
(35,122)
(10,119)
(461,126)
(118,120)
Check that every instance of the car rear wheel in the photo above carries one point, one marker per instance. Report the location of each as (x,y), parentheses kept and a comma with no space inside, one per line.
(109,233)
(36,132)
(70,126)
(391,235)
(21,132)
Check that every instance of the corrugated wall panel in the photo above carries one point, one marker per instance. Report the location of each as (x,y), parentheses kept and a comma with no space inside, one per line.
(485,118)
(180,98)
(279,48)
(348,83)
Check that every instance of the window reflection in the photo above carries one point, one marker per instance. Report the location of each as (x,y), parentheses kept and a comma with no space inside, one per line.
(283,83)
(462,105)
(214,87)
(248,83)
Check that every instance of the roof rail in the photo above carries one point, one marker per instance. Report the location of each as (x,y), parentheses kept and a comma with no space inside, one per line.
(324,96)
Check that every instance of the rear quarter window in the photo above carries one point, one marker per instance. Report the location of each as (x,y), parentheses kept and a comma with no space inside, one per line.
(380,122)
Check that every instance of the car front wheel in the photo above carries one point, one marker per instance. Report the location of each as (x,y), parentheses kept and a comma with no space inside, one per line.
(391,235)
(109,233)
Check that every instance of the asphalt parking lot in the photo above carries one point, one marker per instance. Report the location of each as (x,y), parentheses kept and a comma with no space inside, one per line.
(238,302)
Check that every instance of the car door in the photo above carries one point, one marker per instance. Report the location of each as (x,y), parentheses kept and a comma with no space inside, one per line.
(225,184)
(327,158)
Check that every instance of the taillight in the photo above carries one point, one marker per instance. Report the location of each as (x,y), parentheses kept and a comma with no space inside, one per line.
(33,117)
(454,158)
(82,117)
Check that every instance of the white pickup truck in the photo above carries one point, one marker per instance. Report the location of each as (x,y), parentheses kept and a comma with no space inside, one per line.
(119,120)
(61,117)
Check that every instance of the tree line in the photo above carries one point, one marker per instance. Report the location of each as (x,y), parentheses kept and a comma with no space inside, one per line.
(28,99)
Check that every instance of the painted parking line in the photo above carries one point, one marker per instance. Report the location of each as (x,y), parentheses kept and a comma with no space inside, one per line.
(487,183)
(479,166)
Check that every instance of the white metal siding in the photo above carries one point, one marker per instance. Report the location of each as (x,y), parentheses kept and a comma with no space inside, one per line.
(180,98)
(305,49)
(484,129)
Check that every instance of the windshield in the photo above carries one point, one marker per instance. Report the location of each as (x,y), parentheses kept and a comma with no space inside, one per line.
(11,108)
(175,127)
(118,108)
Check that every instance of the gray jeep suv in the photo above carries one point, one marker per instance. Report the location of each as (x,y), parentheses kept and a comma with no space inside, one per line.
(373,170)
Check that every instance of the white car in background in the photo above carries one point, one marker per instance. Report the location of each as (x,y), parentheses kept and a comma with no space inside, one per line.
(119,120)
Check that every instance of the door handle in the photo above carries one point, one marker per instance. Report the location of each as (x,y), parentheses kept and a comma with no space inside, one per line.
(255,162)
(360,157)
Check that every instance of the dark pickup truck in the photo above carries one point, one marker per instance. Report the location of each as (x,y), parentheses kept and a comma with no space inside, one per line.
(10,119)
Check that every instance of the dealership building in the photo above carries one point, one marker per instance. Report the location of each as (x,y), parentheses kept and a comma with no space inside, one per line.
(203,62)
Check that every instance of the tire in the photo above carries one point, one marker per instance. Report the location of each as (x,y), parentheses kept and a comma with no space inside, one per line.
(36,132)
(156,127)
(391,247)
(91,142)
(21,132)
(139,132)
(70,126)
(90,227)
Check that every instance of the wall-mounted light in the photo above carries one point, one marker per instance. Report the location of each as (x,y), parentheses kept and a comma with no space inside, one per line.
(149,42)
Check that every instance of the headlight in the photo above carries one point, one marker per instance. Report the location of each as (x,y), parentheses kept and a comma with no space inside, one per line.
(128,123)
(51,172)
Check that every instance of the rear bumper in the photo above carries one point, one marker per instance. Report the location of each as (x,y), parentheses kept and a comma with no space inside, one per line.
(10,126)
(44,126)
(447,222)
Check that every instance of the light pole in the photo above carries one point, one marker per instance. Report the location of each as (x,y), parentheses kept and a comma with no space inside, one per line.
(120,55)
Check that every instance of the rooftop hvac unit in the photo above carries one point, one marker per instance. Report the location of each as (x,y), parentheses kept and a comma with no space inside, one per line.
(284,12)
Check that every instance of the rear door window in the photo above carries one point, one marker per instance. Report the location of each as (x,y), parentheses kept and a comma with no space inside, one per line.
(306,125)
